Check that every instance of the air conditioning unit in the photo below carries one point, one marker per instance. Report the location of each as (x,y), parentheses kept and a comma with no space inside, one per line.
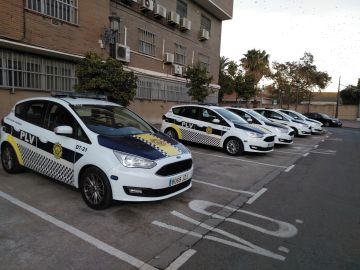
(147,5)
(168,58)
(185,24)
(160,11)
(122,53)
(184,71)
(173,18)
(177,70)
(204,34)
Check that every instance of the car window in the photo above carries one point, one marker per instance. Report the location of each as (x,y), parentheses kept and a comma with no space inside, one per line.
(230,116)
(189,112)
(293,115)
(258,115)
(207,115)
(111,120)
(32,111)
(275,115)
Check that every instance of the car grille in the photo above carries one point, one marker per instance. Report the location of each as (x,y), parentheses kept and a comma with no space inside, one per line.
(175,168)
(269,139)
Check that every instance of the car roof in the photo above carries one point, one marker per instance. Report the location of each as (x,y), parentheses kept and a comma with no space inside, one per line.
(197,105)
(72,101)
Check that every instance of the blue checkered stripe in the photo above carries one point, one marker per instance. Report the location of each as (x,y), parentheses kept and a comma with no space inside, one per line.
(196,136)
(157,147)
(46,166)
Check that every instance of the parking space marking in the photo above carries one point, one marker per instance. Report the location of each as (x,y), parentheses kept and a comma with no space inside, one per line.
(306,154)
(299,221)
(316,146)
(256,196)
(283,249)
(80,234)
(239,159)
(335,139)
(288,169)
(225,188)
(183,258)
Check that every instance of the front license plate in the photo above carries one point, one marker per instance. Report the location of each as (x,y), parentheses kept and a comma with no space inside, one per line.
(177,180)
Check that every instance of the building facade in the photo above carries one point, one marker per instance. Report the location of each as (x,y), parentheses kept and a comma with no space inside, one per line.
(42,40)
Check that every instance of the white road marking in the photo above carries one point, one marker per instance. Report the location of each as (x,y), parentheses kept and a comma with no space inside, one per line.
(323,153)
(322,140)
(299,221)
(80,234)
(256,196)
(306,154)
(244,160)
(316,146)
(181,259)
(308,145)
(335,139)
(225,188)
(288,169)
(284,249)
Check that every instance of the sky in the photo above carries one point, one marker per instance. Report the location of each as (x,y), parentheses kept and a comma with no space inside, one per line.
(285,29)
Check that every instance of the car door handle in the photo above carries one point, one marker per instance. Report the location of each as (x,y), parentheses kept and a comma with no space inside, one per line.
(43,139)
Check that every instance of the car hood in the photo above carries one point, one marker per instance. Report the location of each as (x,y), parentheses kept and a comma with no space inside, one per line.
(273,124)
(152,146)
(248,127)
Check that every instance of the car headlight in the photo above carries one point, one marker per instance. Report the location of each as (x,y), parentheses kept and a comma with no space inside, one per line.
(131,161)
(254,134)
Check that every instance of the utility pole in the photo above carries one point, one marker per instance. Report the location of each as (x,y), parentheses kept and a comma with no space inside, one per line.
(337,100)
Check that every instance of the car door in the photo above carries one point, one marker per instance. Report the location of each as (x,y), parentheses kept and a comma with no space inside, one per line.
(189,124)
(211,132)
(58,150)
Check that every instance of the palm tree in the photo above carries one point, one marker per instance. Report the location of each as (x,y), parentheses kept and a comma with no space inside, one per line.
(256,62)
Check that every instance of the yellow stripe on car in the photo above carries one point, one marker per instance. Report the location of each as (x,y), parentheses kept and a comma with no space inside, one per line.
(13,143)
(159,144)
(177,130)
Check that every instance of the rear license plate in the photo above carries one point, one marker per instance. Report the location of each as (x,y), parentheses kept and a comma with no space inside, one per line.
(178,179)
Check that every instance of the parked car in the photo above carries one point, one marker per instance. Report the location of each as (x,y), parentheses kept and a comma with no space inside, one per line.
(215,126)
(325,119)
(315,126)
(300,128)
(284,134)
(102,148)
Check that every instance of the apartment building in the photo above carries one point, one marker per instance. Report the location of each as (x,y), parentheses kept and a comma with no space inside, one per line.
(42,40)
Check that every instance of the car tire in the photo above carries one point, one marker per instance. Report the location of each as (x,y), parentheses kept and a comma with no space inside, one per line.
(172,133)
(233,146)
(296,132)
(327,124)
(95,188)
(9,159)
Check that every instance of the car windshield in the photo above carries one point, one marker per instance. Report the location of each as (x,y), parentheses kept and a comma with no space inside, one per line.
(258,116)
(325,116)
(230,116)
(111,120)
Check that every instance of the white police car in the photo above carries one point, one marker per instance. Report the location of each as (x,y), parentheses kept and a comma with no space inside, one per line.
(215,126)
(100,147)
(284,134)
(300,128)
(315,126)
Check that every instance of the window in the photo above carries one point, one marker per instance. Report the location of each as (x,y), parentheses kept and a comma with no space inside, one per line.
(147,42)
(207,115)
(32,112)
(65,10)
(33,72)
(180,54)
(181,8)
(189,112)
(205,23)
(204,61)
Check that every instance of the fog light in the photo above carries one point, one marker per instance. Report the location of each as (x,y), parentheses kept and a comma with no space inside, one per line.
(135,191)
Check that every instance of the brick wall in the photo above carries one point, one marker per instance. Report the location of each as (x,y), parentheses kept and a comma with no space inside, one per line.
(12,19)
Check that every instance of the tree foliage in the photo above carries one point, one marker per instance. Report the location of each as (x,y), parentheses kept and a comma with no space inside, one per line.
(106,77)
(295,81)
(199,82)
(225,81)
(351,94)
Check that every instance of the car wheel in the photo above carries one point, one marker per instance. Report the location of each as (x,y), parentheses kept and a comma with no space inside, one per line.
(9,159)
(95,188)
(234,146)
(296,132)
(327,124)
(171,133)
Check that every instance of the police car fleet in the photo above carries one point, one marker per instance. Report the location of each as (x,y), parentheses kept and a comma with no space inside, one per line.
(215,126)
(315,126)
(102,148)
(284,134)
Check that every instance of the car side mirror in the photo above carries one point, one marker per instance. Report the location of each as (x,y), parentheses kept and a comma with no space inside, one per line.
(63,130)
(216,121)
